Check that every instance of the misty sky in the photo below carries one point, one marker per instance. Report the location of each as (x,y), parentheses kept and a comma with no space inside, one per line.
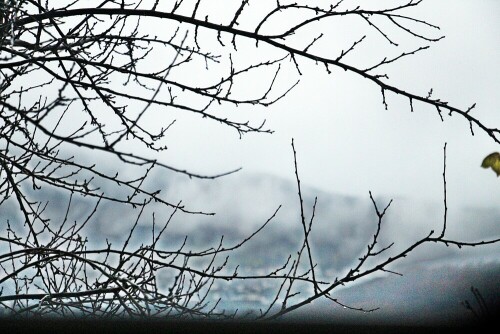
(347,143)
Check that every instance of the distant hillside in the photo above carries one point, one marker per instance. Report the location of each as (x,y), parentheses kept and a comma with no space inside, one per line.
(342,228)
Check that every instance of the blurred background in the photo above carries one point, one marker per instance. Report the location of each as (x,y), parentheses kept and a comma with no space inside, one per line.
(349,144)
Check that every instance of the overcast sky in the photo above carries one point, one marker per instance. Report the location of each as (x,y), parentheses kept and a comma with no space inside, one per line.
(347,143)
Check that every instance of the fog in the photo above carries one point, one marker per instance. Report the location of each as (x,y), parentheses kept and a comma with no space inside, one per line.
(348,143)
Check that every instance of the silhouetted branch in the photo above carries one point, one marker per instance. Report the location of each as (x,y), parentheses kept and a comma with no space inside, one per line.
(83,80)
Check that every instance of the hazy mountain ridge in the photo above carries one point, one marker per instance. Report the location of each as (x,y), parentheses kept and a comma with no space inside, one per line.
(343,226)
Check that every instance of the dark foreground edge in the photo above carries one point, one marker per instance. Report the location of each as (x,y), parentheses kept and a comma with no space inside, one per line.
(8,325)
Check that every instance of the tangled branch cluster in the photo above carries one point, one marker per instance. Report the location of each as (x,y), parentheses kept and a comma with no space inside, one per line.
(76,80)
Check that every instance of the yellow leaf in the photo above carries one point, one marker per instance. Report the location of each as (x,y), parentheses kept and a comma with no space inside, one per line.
(493,161)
